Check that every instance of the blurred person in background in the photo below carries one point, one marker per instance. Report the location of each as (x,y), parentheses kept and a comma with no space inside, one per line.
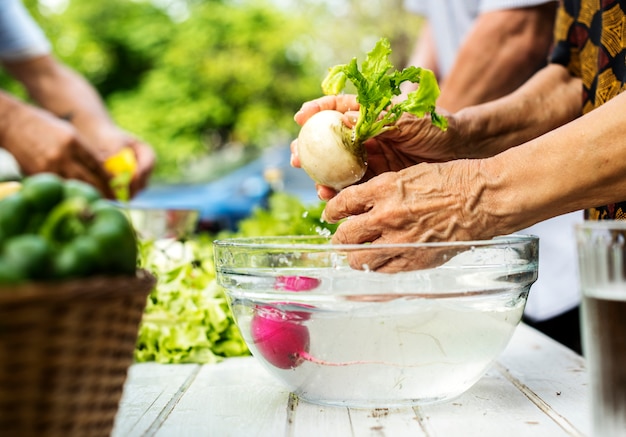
(481,50)
(69,132)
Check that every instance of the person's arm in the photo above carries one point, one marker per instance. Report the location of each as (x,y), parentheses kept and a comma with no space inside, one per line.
(42,142)
(61,91)
(549,99)
(577,166)
(502,50)
(66,94)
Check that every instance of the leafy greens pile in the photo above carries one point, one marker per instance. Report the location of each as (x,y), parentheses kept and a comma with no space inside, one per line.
(187,318)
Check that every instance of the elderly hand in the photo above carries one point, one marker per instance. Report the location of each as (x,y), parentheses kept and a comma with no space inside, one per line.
(70,131)
(413,141)
(424,203)
(107,140)
(40,142)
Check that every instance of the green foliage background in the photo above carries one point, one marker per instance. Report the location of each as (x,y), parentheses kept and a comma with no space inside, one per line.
(196,78)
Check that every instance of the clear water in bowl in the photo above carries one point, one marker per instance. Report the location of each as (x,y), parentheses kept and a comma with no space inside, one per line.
(383,342)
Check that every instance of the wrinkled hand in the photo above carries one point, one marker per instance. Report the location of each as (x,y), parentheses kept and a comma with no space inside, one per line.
(145,164)
(414,140)
(413,191)
(40,142)
(107,139)
(427,202)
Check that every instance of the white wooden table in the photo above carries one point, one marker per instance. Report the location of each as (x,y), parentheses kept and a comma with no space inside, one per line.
(537,388)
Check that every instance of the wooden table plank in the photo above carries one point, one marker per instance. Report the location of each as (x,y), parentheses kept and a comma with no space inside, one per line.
(236,397)
(149,395)
(553,373)
(311,420)
(386,422)
(492,407)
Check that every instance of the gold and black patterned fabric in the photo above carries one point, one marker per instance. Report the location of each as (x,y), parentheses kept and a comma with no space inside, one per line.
(590,40)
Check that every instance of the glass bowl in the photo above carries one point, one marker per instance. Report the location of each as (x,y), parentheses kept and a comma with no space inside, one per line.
(162,223)
(337,332)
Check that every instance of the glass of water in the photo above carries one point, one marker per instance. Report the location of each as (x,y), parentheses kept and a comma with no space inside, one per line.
(602,257)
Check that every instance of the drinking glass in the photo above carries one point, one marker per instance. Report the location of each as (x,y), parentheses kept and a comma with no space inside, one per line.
(602,256)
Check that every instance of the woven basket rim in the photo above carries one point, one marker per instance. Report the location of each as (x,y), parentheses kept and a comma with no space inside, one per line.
(93,287)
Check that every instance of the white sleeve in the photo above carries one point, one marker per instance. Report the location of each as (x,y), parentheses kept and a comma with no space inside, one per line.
(418,7)
(494,5)
(20,36)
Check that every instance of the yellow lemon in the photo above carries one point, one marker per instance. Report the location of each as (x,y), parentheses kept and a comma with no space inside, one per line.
(122,166)
(123,161)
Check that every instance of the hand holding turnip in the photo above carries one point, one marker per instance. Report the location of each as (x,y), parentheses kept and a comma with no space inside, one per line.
(332,153)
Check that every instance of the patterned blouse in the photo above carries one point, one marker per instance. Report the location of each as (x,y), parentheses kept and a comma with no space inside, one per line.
(591,42)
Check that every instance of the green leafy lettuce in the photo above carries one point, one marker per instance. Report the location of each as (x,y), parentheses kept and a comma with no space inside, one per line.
(186,319)
(377,83)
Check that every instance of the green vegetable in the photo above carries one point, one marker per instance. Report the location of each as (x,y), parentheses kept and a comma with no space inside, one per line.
(55,229)
(376,86)
(76,188)
(115,239)
(29,255)
(187,318)
(8,274)
(42,191)
(78,258)
(14,213)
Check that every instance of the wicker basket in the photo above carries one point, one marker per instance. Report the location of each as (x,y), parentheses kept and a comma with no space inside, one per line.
(65,350)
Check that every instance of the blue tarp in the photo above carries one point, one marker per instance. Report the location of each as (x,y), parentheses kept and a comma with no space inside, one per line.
(223,202)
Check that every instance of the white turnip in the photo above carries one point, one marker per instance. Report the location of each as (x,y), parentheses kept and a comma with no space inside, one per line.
(328,152)
(333,154)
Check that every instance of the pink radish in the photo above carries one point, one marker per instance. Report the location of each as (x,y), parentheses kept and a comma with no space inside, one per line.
(284,343)
(280,336)
(280,340)
(296,283)
(277,334)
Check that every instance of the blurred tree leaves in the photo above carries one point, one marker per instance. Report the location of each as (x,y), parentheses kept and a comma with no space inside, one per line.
(225,77)
(221,73)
